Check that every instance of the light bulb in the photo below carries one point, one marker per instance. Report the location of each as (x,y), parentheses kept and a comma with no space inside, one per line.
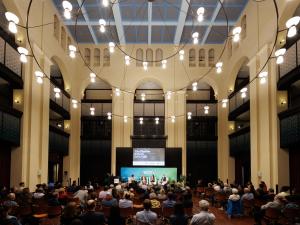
(236,38)
(206,108)
(111,47)
(23,54)
(118,92)
(200,13)
(75,103)
(143,96)
(57,92)
(200,18)
(169,94)
(219,66)
(127,60)
(219,70)
(280,59)
(244,92)
(23,58)
(72,54)
(141,120)
(195,37)
(13,20)
(145,66)
(39,77)
(93,77)
(263,77)
(164,64)
(92,110)
(102,24)
(67,14)
(156,120)
(105,3)
(109,115)
(279,55)
(173,119)
(224,103)
(67,9)
(291,25)
(244,95)
(189,115)
(195,86)
(236,34)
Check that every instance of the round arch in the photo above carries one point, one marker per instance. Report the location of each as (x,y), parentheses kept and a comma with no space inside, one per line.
(235,70)
(63,69)
(147,79)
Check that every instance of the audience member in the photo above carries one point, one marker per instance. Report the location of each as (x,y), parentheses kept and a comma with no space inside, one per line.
(91,217)
(69,214)
(115,217)
(204,217)
(170,201)
(146,216)
(109,200)
(126,202)
(179,217)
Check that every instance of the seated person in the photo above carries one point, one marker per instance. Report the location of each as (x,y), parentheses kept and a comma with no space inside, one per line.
(179,217)
(11,202)
(69,214)
(162,194)
(91,217)
(234,205)
(247,194)
(115,217)
(126,202)
(109,200)
(204,217)
(5,218)
(170,202)
(146,216)
(154,202)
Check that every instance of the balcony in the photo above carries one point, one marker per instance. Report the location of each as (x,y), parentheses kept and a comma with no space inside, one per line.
(289,71)
(239,142)
(10,123)
(10,65)
(60,105)
(237,104)
(58,141)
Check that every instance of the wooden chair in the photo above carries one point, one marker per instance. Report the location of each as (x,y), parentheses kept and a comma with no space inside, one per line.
(248,206)
(209,192)
(291,215)
(272,216)
(219,198)
(127,214)
(200,191)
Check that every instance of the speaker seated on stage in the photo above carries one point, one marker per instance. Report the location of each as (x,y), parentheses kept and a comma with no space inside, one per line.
(152,179)
(164,180)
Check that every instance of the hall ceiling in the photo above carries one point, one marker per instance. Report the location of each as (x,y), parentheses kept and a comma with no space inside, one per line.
(160,22)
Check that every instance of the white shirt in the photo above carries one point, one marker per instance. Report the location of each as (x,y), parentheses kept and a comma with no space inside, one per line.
(81,195)
(125,203)
(203,218)
(146,217)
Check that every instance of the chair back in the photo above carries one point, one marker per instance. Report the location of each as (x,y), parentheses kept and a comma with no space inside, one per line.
(167,211)
(54,211)
(248,203)
(200,190)
(220,196)
(24,211)
(158,211)
(272,214)
(106,211)
(291,213)
(126,212)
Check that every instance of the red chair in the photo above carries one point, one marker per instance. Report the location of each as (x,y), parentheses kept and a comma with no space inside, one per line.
(219,198)
(272,215)
(106,211)
(248,206)
(54,211)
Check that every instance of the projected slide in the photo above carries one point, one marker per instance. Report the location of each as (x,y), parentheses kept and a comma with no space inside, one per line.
(148,157)
(170,173)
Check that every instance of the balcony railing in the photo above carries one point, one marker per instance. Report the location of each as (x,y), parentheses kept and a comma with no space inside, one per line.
(291,59)
(9,57)
(236,100)
(58,141)
(63,101)
(240,142)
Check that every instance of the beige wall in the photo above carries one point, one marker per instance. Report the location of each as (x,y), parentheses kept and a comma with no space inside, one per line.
(30,159)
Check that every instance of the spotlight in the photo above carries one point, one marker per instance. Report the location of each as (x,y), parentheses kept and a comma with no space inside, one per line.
(111,46)
(39,77)
(141,120)
(156,120)
(143,96)
(263,77)
(93,77)
(164,64)
(102,24)
(279,55)
(219,66)
(57,92)
(195,86)
(109,115)
(75,103)
(13,20)
(181,55)
(236,34)
(67,9)
(125,119)
(23,54)
(224,103)
(173,119)
(189,115)
(291,25)
(72,51)
(127,60)
(244,92)
(195,37)
(206,108)
(200,13)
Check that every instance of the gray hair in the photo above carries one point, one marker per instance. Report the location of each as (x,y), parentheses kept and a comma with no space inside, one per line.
(203,204)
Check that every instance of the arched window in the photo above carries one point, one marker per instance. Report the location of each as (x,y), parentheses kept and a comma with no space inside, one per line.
(202,57)
(149,56)
(158,56)
(56,27)
(63,38)
(229,46)
(211,57)
(192,57)
(244,27)
(96,57)
(87,56)
(140,57)
(106,57)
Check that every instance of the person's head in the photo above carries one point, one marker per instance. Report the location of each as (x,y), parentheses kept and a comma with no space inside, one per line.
(152,195)
(178,209)
(147,204)
(108,196)
(271,190)
(22,184)
(162,191)
(127,196)
(11,196)
(246,190)
(235,191)
(91,205)
(203,204)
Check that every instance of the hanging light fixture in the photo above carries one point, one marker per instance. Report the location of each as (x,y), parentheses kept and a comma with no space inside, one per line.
(164,64)
(224,103)
(74,103)
(189,115)
(93,77)
(105,3)
(111,46)
(156,120)
(219,66)
(244,92)
(145,66)
(181,55)
(39,77)
(23,54)
(117,92)
(236,34)
(72,51)
(57,92)
(67,9)
(263,77)
(206,109)
(291,25)
(141,120)
(127,60)
(92,110)
(200,13)
(125,119)
(143,96)
(109,115)
(279,55)
(195,86)
(102,24)
(169,95)
(173,119)
(195,37)
(13,20)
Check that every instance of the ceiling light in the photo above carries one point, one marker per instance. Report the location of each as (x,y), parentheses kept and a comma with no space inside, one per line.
(206,108)
(189,115)
(39,77)
(125,119)
(105,3)
(244,92)
(181,55)
(23,54)
(111,46)
(117,92)
(195,37)
(156,120)
(102,24)
(109,115)
(224,103)
(173,119)
(195,86)
(263,77)
(13,20)
(279,55)
(169,94)
(75,103)
(57,92)
(127,60)
(236,34)
(219,66)
(164,64)
(72,51)
(141,120)
(67,9)
(145,66)
(92,110)
(291,25)
(93,77)
(143,96)
(200,13)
